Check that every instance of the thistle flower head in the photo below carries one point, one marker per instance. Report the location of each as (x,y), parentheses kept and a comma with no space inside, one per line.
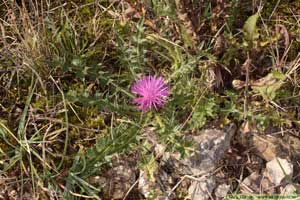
(152,92)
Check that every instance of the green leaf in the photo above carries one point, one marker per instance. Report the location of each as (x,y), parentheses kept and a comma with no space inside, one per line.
(204,110)
(278,75)
(148,163)
(268,92)
(250,28)
(271,87)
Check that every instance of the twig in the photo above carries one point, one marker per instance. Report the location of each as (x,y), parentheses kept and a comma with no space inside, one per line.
(127,193)
(202,176)
(246,65)
(76,194)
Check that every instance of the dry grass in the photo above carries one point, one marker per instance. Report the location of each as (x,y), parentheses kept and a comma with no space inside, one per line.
(66,70)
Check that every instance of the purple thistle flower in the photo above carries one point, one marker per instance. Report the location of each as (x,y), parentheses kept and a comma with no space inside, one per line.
(153,92)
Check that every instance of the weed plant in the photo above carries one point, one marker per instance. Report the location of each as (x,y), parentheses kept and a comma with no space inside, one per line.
(66,70)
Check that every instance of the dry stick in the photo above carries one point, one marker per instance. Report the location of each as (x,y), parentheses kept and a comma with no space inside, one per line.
(182,179)
(127,193)
(240,179)
(282,30)
(202,176)
(278,106)
(246,186)
(246,66)
(43,145)
(274,10)
(76,194)
(209,193)
(193,110)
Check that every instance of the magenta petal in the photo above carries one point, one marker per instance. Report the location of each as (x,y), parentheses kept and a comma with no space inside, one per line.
(152,92)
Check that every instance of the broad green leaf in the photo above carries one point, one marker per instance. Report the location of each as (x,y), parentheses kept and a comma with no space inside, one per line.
(250,28)
(278,75)
(268,92)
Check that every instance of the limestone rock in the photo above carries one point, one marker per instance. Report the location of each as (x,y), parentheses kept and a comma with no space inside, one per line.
(201,190)
(118,180)
(289,189)
(257,184)
(147,187)
(211,145)
(222,190)
(268,147)
(277,169)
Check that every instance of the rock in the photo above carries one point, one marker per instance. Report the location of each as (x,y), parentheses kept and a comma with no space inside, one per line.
(265,146)
(13,195)
(222,190)
(289,189)
(268,147)
(255,163)
(147,187)
(3,187)
(118,180)
(144,185)
(97,180)
(201,190)
(246,130)
(28,196)
(293,142)
(211,145)
(176,166)
(122,178)
(151,138)
(158,188)
(277,169)
(257,184)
